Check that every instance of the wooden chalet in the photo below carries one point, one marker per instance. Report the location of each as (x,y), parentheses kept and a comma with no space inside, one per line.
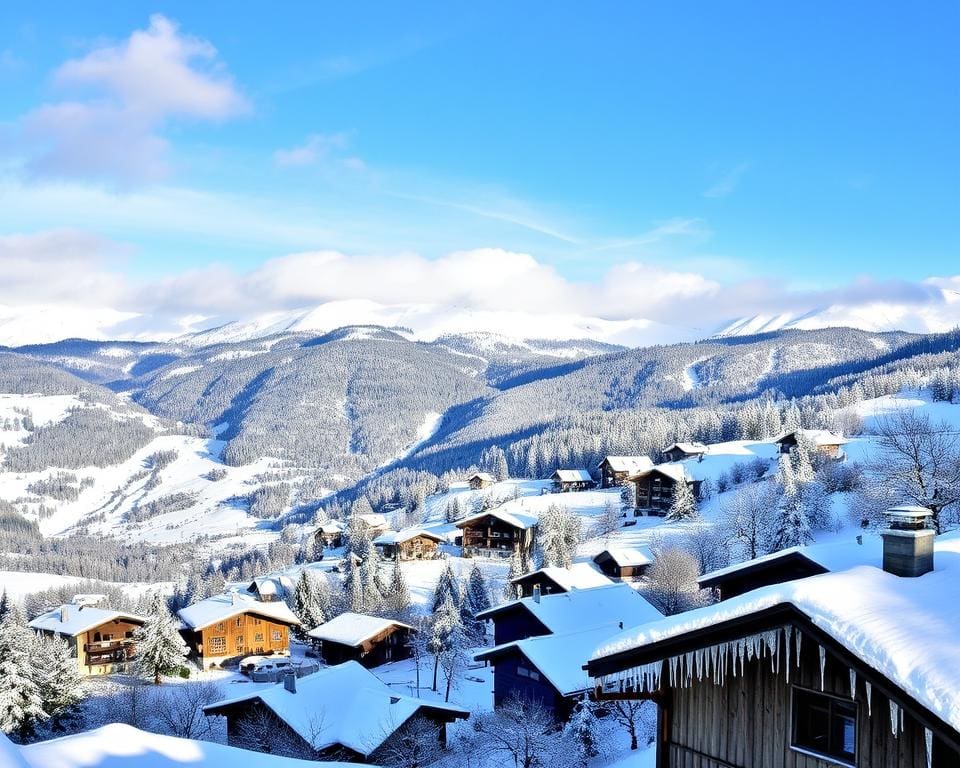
(410,544)
(375,523)
(826,443)
(330,533)
(369,640)
(222,629)
(497,533)
(342,712)
(566,480)
(682,451)
(786,565)
(655,487)
(615,470)
(857,667)
(101,640)
(624,563)
(268,589)
(479,480)
(551,581)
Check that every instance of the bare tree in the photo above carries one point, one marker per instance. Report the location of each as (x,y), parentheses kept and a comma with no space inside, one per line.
(921,461)
(419,643)
(523,731)
(671,582)
(609,521)
(260,730)
(414,744)
(709,545)
(130,705)
(180,709)
(748,516)
(637,717)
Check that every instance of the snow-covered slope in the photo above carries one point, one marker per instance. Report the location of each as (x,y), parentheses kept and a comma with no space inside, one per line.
(41,323)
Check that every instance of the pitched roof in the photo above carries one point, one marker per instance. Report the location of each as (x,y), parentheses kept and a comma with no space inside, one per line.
(374,519)
(591,607)
(627,463)
(516,519)
(342,705)
(486,476)
(222,607)
(577,576)
(79,619)
(398,537)
(573,476)
(817,436)
(332,526)
(674,470)
(353,629)
(626,557)
(691,448)
(560,658)
(118,745)
(901,628)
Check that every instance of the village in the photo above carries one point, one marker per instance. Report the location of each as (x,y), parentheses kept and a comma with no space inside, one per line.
(565,614)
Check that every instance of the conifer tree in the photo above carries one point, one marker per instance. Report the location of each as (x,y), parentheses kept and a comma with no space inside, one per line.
(307,604)
(476,599)
(558,534)
(448,585)
(684,505)
(517,569)
(21,701)
(58,677)
(397,599)
(4,604)
(160,648)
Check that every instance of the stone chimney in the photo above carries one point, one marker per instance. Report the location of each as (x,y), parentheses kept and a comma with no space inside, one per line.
(536,593)
(64,614)
(908,543)
(290,682)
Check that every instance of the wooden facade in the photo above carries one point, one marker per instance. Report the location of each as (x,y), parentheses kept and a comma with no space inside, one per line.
(480,480)
(330,534)
(102,645)
(389,645)
(610,477)
(514,674)
(491,536)
(681,451)
(654,491)
(825,446)
(609,566)
(777,570)
(423,546)
(547,585)
(229,640)
(566,481)
(760,717)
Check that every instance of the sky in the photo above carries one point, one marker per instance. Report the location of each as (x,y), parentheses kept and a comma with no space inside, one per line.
(203,161)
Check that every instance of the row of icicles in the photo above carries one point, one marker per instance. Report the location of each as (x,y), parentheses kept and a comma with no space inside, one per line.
(717,661)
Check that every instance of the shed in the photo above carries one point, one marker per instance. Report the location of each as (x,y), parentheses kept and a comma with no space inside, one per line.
(369,640)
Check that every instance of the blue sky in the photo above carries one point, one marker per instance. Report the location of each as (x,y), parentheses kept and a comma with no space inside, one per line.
(807,144)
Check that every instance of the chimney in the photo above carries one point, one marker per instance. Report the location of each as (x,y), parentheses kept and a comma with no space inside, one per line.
(290,682)
(64,614)
(536,593)
(908,543)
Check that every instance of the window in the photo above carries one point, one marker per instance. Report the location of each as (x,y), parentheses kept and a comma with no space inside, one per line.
(825,725)
(221,627)
(276,635)
(524,672)
(218,646)
(258,638)
(239,621)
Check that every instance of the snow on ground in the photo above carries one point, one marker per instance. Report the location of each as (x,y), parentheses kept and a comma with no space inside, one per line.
(427,429)
(42,410)
(20,583)
(182,370)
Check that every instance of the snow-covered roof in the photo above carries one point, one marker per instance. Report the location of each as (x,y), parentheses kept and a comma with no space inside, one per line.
(353,629)
(72,620)
(332,526)
(374,520)
(560,657)
(628,463)
(345,704)
(117,744)
(832,556)
(579,608)
(485,476)
(577,576)
(398,537)
(905,629)
(626,557)
(516,519)
(222,607)
(673,469)
(573,476)
(690,448)
(818,437)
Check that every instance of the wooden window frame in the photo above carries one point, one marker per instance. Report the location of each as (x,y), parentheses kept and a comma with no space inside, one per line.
(217,641)
(832,701)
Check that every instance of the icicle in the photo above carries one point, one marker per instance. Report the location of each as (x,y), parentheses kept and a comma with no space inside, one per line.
(741,654)
(853,683)
(894,718)
(928,739)
(867,684)
(787,630)
(799,636)
(823,665)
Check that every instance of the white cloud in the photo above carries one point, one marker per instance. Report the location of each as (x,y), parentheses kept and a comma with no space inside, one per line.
(319,148)
(728,182)
(124,95)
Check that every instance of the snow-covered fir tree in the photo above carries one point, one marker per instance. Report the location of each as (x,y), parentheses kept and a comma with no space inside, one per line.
(396,596)
(584,732)
(517,569)
(160,648)
(683,505)
(21,699)
(307,604)
(791,524)
(558,534)
(448,585)
(476,598)
(59,678)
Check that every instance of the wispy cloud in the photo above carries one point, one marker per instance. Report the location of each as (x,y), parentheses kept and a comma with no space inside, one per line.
(727,184)
(320,148)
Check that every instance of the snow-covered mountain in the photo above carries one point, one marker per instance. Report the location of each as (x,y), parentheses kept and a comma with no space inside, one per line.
(875,316)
